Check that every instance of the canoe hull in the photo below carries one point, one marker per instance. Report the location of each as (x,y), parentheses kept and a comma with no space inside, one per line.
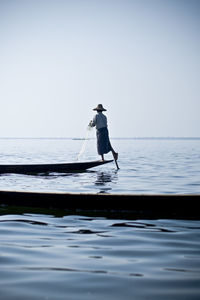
(50,168)
(130,206)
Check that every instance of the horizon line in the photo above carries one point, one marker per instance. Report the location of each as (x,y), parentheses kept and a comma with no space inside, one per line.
(120,138)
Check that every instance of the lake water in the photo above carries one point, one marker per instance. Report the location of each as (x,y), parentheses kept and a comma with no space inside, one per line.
(146,166)
(76,257)
(51,255)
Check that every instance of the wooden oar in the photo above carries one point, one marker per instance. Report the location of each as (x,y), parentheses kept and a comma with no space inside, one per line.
(116,164)
(115,159)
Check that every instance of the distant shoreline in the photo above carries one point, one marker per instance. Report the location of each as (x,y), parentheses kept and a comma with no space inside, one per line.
(113,138)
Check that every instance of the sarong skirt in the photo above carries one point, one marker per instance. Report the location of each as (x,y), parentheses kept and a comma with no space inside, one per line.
(103,141)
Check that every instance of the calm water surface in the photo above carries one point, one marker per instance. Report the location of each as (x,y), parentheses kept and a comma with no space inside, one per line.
(51,256)
(77,257)
(146,166)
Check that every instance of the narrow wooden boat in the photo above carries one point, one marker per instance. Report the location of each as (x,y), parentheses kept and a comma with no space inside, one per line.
(49,168)
(130,206)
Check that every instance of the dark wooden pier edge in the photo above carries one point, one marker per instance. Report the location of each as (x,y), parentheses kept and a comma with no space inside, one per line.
(128,205)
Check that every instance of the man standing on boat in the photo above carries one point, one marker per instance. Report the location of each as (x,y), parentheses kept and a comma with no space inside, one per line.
(103,142)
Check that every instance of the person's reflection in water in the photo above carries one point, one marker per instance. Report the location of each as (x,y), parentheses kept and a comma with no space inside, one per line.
(104,179)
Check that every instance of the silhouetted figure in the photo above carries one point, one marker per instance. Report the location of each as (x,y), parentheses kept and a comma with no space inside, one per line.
(103,142)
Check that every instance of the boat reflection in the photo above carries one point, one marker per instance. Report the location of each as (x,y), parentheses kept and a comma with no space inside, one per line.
(104,179)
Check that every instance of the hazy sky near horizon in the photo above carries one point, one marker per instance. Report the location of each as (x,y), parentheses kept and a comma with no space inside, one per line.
(60,58)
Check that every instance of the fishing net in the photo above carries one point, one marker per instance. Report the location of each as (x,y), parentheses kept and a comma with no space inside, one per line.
(83,147)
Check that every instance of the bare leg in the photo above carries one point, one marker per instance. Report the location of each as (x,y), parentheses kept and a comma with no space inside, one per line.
(115,154)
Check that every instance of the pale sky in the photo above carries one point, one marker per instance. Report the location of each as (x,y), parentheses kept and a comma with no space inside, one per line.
(60,58)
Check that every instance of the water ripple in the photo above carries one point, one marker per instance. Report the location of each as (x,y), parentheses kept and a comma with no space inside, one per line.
(104,258)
